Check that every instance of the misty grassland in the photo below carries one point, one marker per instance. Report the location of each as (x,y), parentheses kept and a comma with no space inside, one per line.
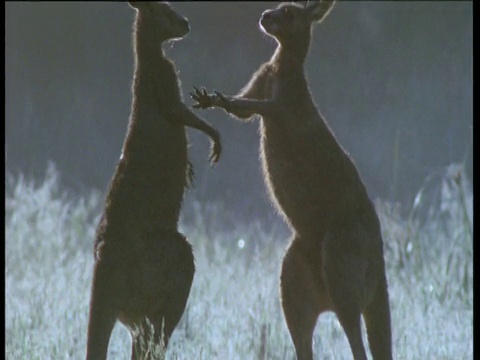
(233,311)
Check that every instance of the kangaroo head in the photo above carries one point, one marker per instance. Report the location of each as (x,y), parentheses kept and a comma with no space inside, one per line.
(161,18)
(291,22)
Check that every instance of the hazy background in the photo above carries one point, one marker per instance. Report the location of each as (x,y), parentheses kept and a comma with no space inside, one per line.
(393,79)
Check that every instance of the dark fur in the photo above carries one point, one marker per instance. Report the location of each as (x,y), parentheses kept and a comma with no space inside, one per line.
(144,267)
(335,260)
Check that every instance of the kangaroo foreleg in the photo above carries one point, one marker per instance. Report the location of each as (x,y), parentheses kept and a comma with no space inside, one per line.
(188,118)
(237,106)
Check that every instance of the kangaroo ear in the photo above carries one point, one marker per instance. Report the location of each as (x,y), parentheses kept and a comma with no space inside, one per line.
(318,10)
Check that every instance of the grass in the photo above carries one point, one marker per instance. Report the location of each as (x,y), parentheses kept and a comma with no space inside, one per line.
(234,311)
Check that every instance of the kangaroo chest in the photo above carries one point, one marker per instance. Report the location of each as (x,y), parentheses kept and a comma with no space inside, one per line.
(309,176)
(293,175)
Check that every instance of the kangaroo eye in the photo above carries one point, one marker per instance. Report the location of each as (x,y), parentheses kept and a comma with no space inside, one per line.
(287,12)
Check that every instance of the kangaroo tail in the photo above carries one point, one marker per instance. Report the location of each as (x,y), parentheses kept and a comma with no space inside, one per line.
(378,323)
(102,316)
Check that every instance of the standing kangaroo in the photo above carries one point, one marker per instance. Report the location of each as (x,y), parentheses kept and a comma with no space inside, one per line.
(144,267)
(335,259)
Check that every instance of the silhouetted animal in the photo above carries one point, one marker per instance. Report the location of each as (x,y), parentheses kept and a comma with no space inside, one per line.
(144,267)
(335,260)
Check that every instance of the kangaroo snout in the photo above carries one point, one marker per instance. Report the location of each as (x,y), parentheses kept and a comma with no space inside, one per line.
(268,17)
(184,24)
(267,14)
(267,21)
(182,27)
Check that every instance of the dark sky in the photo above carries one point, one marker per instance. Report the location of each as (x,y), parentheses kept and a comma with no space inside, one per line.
(393,79)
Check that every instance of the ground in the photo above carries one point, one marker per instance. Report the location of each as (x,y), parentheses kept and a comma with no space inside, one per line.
(233,311)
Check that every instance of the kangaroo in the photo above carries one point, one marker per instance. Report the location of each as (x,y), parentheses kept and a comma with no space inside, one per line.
(335,258)
(144,266)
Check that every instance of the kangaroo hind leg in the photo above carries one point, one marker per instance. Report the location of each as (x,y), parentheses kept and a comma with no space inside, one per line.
(378,324)
(303,296)
(102,316)
(344,271)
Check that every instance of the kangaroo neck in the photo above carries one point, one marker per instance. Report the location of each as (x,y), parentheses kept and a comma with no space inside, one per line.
(146,44)
(144,53)
(291,54)
(290,84)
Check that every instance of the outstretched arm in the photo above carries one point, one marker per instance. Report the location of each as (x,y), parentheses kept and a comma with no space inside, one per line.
(188,118)
(205,101)
(240,107)
(257,90)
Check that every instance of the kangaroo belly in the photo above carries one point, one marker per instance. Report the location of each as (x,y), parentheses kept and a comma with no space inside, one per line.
(158,270)
(150,179)
(294,199)
(294,181)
